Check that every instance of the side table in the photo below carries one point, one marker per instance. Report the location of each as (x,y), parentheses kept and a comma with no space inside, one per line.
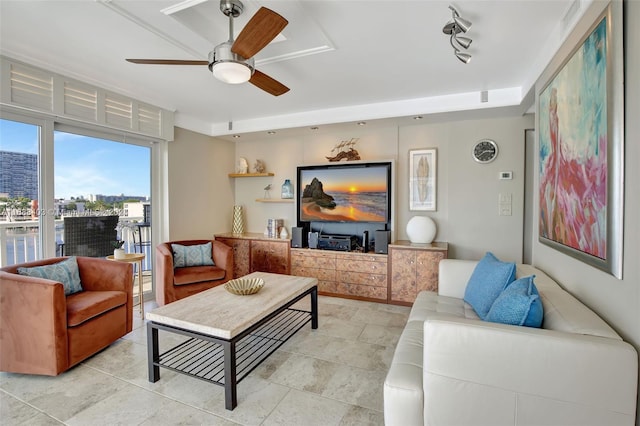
(133,258)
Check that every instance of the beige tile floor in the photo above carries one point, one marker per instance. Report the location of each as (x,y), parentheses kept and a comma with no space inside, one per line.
(330,376)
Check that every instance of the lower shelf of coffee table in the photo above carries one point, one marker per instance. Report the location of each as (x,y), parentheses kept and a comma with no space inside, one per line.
(204,359)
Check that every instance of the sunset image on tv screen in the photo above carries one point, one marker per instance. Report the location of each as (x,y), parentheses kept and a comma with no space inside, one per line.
(344,195)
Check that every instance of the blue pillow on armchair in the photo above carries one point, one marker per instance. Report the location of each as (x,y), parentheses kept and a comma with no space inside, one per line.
(518,304)
(192,255)
(487,281)
(65,272)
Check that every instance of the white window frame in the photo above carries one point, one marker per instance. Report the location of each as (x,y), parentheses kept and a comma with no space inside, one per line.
(47,125)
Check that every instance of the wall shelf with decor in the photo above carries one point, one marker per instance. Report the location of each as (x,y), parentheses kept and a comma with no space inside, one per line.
(235,175)
(274,200)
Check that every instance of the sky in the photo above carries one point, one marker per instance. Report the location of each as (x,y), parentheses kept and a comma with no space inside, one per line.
(372,179)
(84,165)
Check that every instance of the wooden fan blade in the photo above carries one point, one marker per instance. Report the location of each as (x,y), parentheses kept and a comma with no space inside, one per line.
(268,84)
(263,27)
(166,62)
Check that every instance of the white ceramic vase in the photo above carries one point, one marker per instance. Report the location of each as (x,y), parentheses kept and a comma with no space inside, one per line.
(421,230)
(119,253)
(284,233)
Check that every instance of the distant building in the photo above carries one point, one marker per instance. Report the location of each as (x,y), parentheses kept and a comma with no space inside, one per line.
(19,174)
(62,207)
(134,209)
(116,198)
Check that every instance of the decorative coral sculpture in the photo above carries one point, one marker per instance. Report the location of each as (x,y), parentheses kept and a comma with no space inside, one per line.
(259,166)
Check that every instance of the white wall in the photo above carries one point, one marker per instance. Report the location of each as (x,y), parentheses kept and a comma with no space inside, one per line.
(283,155)
(617,301)
(467,204)
(200,192)
(467,193)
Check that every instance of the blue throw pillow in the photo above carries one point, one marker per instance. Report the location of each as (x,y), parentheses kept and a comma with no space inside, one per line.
(487,281)
(65,272)
(518,304)
(194,255)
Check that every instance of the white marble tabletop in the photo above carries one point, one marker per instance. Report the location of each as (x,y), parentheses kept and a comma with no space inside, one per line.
(218,313)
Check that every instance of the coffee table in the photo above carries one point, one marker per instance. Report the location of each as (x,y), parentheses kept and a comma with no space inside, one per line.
(230,335)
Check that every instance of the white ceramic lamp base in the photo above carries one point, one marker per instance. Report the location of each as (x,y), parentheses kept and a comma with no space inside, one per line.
(421,230)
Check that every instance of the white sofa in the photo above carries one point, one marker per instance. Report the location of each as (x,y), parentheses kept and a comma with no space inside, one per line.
(451,368)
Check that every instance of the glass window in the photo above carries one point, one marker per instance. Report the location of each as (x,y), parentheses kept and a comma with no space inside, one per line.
(19,192)
(97,177)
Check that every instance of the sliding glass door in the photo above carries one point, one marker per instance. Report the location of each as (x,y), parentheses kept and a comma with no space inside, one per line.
(98,177)
(19,192)
(51,171)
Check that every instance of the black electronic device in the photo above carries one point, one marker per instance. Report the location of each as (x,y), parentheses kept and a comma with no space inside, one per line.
(381,243)
(337,242)
(313,240)
(365,241)
(299,236)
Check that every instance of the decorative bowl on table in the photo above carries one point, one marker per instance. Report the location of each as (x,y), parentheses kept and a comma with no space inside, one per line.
(244,286)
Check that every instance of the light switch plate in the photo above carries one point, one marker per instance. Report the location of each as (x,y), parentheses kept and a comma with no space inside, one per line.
(505,210)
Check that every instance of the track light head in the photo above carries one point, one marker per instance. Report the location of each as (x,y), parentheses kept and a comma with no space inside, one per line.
(462,23)
(464,57)
(464,42)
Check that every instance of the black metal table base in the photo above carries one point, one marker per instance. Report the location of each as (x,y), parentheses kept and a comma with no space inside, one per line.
(226,362)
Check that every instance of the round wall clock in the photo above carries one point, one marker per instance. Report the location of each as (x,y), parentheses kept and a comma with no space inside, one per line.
(485,151)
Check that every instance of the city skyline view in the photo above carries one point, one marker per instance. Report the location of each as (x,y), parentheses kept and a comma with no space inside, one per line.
(83,165)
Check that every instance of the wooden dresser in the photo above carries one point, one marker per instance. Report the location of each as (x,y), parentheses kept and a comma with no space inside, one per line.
(345,274)
(413,268)
(254,252)
(394,278)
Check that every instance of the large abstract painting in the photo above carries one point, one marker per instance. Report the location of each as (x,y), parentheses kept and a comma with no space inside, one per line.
(580,153)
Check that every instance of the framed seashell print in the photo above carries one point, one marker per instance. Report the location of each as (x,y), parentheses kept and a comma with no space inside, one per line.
(422,179)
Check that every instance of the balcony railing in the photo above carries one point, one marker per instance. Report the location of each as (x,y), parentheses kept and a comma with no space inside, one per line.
(20,242)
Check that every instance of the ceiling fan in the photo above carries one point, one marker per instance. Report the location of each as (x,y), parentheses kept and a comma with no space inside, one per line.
(232,61)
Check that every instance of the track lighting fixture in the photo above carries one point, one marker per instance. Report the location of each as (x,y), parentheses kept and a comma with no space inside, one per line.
(454,27)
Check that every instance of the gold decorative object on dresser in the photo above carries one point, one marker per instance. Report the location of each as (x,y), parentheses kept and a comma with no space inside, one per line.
(254,252)
(344,274)
(414,267)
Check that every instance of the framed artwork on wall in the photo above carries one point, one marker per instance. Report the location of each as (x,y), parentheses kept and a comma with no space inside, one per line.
(422,179)
(580,150)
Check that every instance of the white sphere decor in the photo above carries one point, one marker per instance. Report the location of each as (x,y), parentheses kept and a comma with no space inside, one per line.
(421,229)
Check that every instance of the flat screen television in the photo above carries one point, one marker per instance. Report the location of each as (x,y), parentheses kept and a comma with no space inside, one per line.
(344,192)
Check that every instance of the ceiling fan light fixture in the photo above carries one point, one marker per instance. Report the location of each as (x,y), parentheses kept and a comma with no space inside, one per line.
(229,67)
(231,72)
(232,62)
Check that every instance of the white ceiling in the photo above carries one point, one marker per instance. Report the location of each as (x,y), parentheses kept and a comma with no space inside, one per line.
(344,60)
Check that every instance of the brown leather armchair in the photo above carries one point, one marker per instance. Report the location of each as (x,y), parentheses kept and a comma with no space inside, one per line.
(42,331)
(177,283)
